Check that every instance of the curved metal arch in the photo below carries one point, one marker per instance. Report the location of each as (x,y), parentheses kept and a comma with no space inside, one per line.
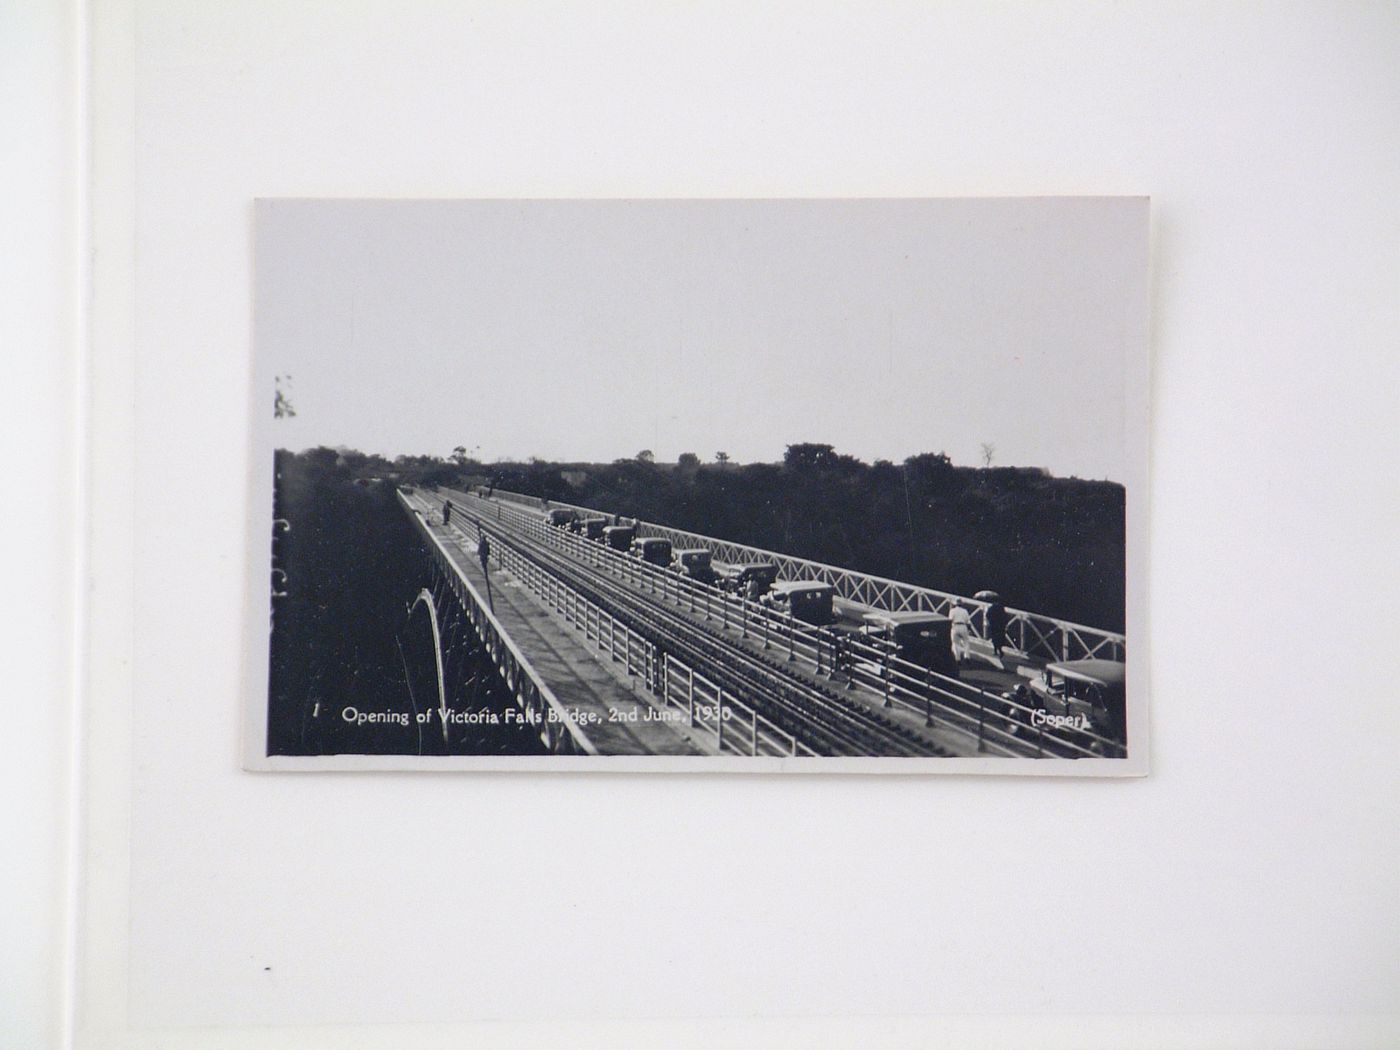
(426,597)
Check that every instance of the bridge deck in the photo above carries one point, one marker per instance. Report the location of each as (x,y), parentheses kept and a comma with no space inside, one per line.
(982,670)
(582,683)
(873,704)
(952,739)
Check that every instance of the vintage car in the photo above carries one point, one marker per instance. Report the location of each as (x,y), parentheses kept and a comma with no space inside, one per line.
(561,517)
(924,639)
(620,537)
(1083,694)
(592,528)
(696,563)
(653,550)
(807,600)
(749,578)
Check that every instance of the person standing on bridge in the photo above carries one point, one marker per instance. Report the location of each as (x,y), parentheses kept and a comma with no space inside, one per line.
(483,550)
(446,511)
(962,631)
(997,623)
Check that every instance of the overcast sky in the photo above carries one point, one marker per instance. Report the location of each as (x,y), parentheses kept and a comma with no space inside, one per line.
(589,330)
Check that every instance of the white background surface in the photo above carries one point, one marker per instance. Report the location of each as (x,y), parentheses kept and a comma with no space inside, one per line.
(1250,879)
(38,334)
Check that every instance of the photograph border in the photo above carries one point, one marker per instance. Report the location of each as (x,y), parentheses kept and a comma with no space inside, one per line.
(1136,394)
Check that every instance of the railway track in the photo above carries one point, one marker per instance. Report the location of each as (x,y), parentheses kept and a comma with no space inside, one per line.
(820,717)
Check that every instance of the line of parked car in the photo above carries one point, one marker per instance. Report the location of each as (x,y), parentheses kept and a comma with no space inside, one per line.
(921,638)
(1084,694)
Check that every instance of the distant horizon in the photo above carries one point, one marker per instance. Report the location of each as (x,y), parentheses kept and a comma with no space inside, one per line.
(704,461)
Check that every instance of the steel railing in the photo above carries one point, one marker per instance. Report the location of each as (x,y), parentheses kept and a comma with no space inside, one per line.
(708,705)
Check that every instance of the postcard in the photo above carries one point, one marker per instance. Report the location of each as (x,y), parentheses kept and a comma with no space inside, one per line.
(702,485)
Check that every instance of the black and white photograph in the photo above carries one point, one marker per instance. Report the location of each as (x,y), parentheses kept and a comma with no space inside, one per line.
(699,484)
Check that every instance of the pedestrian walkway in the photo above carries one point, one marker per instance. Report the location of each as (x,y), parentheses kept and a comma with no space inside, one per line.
(611,706)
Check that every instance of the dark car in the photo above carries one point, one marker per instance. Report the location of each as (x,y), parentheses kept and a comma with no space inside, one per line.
(560,517)
(807,600)
(592,528)
(751,579)
(1084,694)
(921,638)
(653,550)
(696,563)
(619,537)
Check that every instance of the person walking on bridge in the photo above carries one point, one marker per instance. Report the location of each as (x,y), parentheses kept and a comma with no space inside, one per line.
(962,631)
(483,550)
(446,512)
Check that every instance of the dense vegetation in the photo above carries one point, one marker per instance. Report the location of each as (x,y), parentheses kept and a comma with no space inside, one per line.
(342,636)
(1052,545)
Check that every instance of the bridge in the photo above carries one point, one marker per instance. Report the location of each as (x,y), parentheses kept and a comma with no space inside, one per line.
(607,654)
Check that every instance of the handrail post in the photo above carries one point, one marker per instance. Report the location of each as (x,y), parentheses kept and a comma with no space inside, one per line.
(753,749)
